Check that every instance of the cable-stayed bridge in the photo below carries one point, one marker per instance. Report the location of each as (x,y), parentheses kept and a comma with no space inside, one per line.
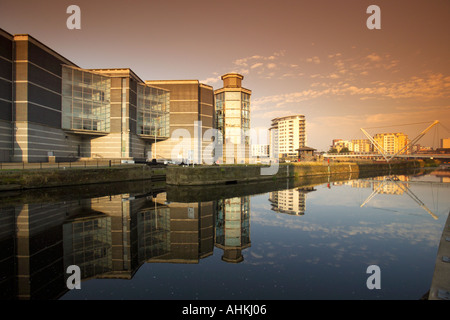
(402,153)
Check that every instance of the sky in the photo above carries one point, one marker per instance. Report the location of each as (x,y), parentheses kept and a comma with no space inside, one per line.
(316,58)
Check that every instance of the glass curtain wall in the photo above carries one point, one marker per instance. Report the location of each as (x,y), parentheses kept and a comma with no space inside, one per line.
(87,244)
(85,100)
(233,222)
(245,119)
(153,108)
(233,117)
(220,121)
(154,232)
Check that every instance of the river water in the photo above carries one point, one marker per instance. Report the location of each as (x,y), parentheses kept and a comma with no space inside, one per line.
(284,240)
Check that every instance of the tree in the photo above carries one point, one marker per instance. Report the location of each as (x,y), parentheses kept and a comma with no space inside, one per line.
(332,150)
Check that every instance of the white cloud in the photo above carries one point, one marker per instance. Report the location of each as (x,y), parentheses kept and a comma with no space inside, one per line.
(314,59)
(211,80)
(374,57)
(256,65)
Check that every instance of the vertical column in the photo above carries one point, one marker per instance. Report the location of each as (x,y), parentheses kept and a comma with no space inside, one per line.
(20,82)
(23,253)
(124,129)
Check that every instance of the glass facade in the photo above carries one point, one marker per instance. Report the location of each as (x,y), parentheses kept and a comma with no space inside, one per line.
(233,116)
(153,107)
(85,100)
(245,117)
(88,244)
(233,222)
(220,121)
(154,232)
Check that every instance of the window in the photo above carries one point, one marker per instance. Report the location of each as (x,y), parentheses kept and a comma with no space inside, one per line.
(85,100)
(153,107)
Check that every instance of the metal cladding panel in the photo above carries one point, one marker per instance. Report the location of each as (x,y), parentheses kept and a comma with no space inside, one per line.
(180,91)
(44,79)
(44,97)
(5,110)
(6,72)
(44,59)
(207,95)
(5,90)
(45,116)
(5,69)
(6,45)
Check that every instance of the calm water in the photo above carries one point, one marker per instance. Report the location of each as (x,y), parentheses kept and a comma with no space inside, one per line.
(292,240)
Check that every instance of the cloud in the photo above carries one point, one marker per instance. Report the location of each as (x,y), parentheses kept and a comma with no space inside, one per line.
(332,237)
(211,80)
(314,59)
(256,65)
(427,88)
(256,62)
(374,57)
(258,59)
(334,55)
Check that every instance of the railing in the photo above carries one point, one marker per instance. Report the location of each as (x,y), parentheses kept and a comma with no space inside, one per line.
(377,155)
(64,165)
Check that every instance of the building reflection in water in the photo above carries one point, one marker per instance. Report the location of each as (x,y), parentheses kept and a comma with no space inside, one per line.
(233,227)
(291,201)
(111,237)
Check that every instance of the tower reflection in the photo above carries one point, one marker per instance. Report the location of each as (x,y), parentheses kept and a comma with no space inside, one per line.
(233,227)
(110,237)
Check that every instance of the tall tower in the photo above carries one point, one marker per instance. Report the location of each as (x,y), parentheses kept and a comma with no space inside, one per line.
(232,104)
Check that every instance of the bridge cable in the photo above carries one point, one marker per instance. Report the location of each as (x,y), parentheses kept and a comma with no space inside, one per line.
(399,125)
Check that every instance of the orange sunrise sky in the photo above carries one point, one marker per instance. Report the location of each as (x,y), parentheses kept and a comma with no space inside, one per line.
(316,58)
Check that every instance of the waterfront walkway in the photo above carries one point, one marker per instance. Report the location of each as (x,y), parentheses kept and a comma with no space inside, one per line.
(64,165)
(440,285)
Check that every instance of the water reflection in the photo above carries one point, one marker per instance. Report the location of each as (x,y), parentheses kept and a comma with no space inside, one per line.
(233,227)
(112,234)
(290,201)
(110,237)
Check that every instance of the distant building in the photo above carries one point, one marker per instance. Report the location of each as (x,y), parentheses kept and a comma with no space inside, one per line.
(291,135)
(306,154)
(340,144)
(445,143)
(260,150)
(273,143)
(232,103)
(361,145)
(392,143)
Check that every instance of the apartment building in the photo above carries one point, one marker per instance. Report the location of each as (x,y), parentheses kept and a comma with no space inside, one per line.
(287,134)
(392,143)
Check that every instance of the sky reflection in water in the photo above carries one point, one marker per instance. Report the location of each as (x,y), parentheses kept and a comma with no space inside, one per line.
(319,248)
